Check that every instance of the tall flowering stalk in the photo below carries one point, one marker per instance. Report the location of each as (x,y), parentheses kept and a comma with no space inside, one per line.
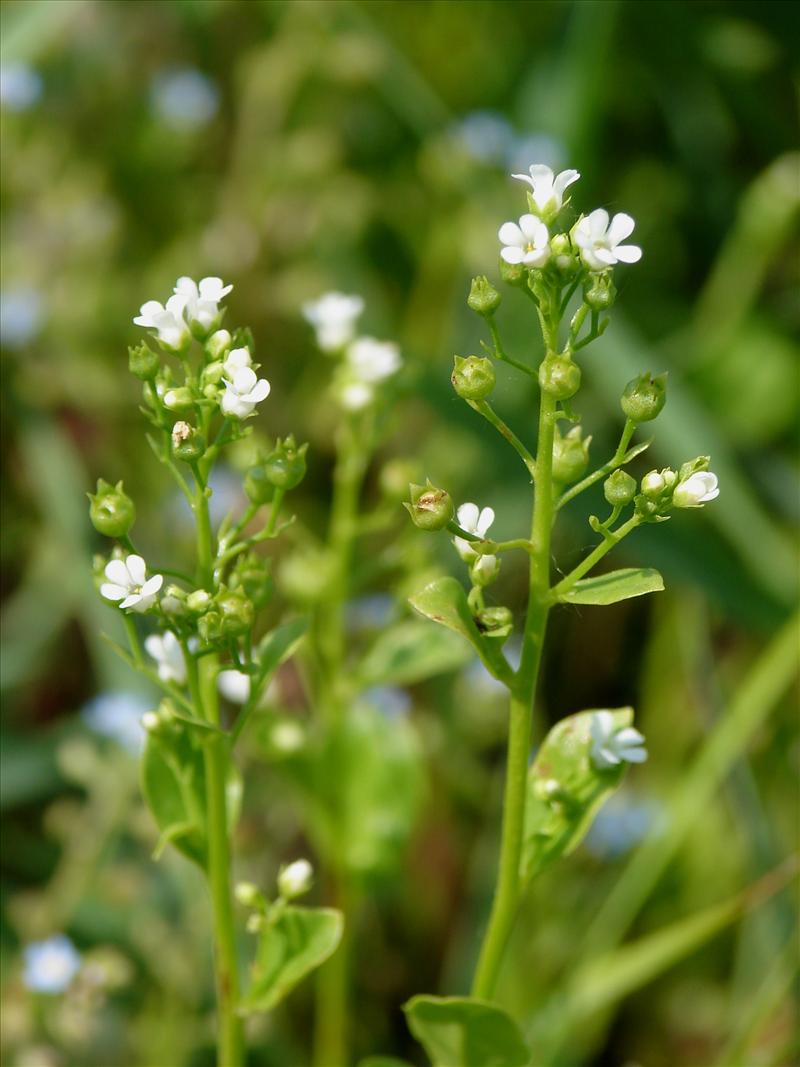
(200,386)
(566,272)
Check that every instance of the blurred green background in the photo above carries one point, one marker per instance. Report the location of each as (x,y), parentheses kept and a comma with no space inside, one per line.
(366,146)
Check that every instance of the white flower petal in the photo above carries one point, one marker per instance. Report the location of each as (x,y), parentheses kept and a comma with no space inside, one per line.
(532,229)
(628,253)
(113,592)
(467,516)
(131,601)
(524,178)
(563,180)
(136,568)
(152,585)
(259,392)
(244,380)
(628,736)
(620,227)
(117,572)
(597,222)
(485,520)
(512,254)
(634,755)
(510,234)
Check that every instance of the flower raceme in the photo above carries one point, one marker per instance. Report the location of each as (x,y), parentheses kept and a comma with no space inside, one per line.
(547,189)
(128,584)
(599,240)
(526,243)
(611,746)
(201,302)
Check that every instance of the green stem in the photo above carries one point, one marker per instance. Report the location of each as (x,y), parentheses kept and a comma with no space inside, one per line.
(610,540)
(616,461)
(216,758)
(507,890)
(483,407)
(501,354)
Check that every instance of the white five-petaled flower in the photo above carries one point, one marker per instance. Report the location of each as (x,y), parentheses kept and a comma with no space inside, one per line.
(167,652)
(129,585)
(611,745)
(50,965)
(167,320)
(547,189)
(526,243)
(243,390)
(599,240)
(698,489)
(333,317)
(295,879)
(236,359)
(201,300)
(474,521)
(371,361)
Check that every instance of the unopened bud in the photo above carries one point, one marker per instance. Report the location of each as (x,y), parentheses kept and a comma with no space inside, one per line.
(111,510)
(218,344)
(619,488)
(495,621)
(198,601)
(295,879)
(483,297)
(187,441)
(644,397)
(600,293)
(248,895)
(570,455)
(430,508)
(143,362)
(560,377)
(285,466)
(179,399)
(473,378)
(484,570)
(236,613)
(173,600)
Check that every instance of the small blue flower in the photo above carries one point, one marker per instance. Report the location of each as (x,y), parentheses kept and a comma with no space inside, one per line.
(118,716)
(20,86)
(185,98)
(622,823)
(50,965)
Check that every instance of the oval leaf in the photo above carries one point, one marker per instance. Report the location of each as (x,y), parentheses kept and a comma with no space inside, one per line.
(614,586)
(444,601)
(558,815)
(411,652)
(467,1032)
(296,942)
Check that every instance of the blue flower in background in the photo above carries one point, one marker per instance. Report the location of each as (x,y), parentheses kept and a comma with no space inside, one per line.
(20,86)
(485,136)
(20,316)
(117,715)
(185,98)
(50,965)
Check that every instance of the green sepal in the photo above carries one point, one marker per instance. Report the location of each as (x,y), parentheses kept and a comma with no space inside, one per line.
(564,791)
(410,652)
(173,783)
(294,942)
(444,601)
(614,586)
(466,1031)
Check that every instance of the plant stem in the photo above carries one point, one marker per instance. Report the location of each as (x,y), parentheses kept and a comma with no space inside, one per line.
(616,461)
(506,896)
(483,407)
(610,540)
(216,758)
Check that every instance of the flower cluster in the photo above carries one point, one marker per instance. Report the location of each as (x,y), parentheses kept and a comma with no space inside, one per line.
(365,361)
(594,239)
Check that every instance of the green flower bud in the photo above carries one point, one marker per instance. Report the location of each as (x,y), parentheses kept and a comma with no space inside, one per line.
(212,374)
(198,601)
(285,466)
(644,397)
(180,399)
(209,626)
(257,486)
(111,510)
(560,377)
(484,570)
(187,442)
(143,362)
(236,612)
(252,574)
(600,292)
(570,455)
(218,344)
(173,600)
(483,297)
(248,895)
(562,253)
(514,274)
(473,378)
(430,508)
(657,483)
(619,488)
(495,622)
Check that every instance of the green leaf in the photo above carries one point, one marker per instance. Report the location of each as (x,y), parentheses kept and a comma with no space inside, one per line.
(278,645)
(564,791)
(444,601)
(296,942)
(466,1032)
(411,652)
(173,783)
(614,586)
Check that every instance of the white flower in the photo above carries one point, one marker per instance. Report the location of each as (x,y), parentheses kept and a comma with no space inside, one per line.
(50,965)
(234,685)
(474,521)
(236,359)
(599,240)
(610,745)
(201,300)
(371,361)
(128,584)
(698,489)
(167,321)
(526,243)
(167,652)
(333,317)
(547,189)
(356,395)
(295,879)
(242,392)
(117,715)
